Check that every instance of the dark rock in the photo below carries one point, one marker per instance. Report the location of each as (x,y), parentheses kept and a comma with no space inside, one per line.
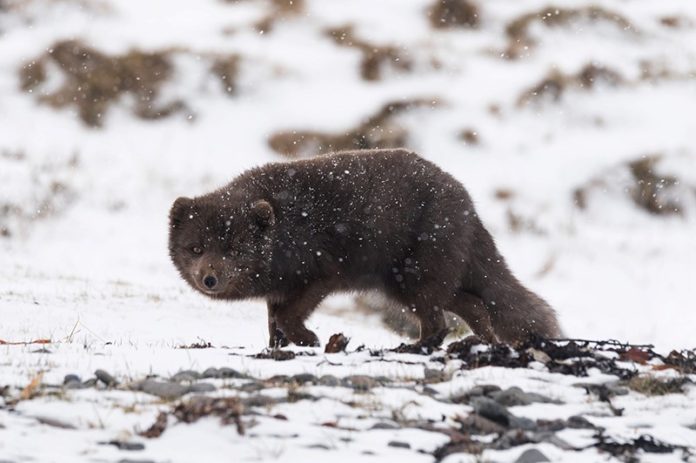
(279,379)
(477,424)
(167,391)
(303,378)
(259,401)
(252,386)
(132,446)
(226,373)
(489,408)
(519,422)
(276,354)
(319,447)
(515,396)
(531,456)
(41,350)
(185,376)
(71,379)
(105,378)
(211,373)
(579,422)
(53,422)
(90,382)
(385,425)
(400,445)
(431,375)
(329,380)
(360,382)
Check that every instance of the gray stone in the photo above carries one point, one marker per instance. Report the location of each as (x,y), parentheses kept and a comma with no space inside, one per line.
(360,382)
(399,444)
(185,376)
(167,391)
(515,396)
(489,408)
(431,375)
(579,422)
(90,382)
(71,379)
(259,401)
(531,456)
(226,372)
(211,373)
(202,387)
(385,425)
(303,378)
(329,380)
(105,378)
(122,445)
(519,422)
(252,386)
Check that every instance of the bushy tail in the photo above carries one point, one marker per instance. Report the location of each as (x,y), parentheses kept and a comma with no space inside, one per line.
(515,312)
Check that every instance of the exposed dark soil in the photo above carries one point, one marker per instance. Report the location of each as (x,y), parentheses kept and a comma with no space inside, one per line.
(93,81)
(379,130)
(445,14)
(375,58)
(520,42)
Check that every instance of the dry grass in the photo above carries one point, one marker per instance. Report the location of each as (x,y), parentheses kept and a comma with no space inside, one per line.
(649,385)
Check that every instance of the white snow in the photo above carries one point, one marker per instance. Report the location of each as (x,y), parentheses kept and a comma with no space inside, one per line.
(93,274)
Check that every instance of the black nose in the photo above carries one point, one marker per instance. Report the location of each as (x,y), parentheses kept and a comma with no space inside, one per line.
(210,281)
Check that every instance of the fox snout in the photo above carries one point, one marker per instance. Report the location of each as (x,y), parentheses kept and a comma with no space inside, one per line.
(207,278)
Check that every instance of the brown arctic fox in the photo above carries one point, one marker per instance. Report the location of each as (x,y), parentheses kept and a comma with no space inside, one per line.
(387,220)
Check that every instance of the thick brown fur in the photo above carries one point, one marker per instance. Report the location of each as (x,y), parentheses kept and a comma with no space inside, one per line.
(292,233)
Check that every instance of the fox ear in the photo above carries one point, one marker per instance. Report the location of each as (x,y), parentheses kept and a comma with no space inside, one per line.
(180,207)
(263,212)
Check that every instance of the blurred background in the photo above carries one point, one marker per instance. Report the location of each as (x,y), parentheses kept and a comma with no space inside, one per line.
(571,123)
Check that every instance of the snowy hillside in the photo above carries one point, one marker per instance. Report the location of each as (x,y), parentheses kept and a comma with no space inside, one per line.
(571,123)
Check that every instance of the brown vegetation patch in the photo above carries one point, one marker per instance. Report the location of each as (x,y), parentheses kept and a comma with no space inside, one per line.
(469,136)
(676,22)
(554,85)
(649,186)
(279,11)
(651,191)
(226,69)
(444,14)
(375,58)
(650,385)
(377,131)
(93,80)
(517,31)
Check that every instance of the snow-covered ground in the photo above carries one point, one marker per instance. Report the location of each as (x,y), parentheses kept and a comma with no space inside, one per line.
(554,172)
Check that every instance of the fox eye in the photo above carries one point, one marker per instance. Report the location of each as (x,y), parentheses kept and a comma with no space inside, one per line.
(196,250)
